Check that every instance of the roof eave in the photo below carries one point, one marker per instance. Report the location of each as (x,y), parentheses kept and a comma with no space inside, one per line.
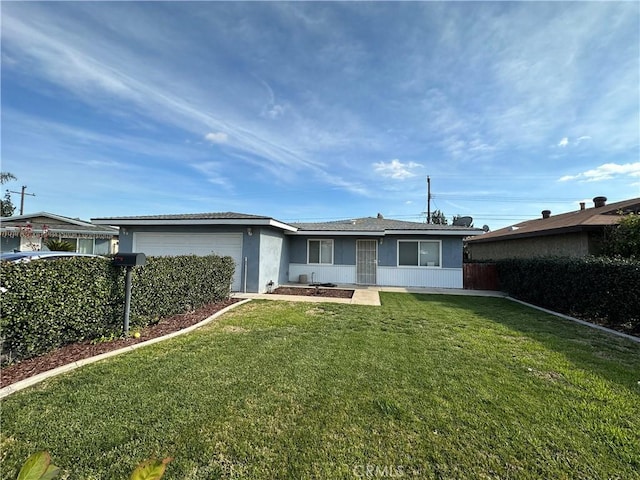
(73,221)
(252,222)
(382,233)
(538,233)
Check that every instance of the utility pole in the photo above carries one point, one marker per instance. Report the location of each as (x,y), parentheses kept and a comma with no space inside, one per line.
(22,194)
(428,199)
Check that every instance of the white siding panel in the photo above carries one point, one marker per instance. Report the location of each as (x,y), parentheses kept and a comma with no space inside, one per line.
(420,277)
(340,274)
(173,244)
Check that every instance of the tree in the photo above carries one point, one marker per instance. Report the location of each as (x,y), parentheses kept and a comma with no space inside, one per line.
(623,239)
(438,218)
(6,205)
(6,176)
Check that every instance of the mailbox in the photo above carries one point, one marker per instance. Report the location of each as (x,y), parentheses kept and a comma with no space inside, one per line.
(129,259)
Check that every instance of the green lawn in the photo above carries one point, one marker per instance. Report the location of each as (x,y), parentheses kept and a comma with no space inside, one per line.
(426,386)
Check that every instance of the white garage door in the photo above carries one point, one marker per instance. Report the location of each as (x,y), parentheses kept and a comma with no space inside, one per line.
(171,244)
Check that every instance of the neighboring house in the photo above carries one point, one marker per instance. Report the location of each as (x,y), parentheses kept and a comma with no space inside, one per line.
(365,251)
(572,234)
(30,232)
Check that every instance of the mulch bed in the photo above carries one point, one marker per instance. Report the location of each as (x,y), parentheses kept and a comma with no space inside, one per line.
(314,292)
(78,351)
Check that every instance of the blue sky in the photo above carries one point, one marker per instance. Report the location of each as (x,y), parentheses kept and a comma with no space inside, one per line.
(319,111)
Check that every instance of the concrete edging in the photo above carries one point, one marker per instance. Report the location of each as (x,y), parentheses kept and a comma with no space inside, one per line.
(577,320)
(28,382)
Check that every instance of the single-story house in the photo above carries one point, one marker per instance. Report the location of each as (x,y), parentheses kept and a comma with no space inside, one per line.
(364,251)
(573,234)
(29,232)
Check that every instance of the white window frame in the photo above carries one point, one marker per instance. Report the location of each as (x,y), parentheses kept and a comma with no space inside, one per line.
(320,252)
(417,241)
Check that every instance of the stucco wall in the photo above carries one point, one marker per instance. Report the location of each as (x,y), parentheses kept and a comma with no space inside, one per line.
(451,250)
(344,249)
(567,245)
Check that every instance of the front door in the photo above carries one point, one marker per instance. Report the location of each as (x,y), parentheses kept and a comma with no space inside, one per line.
(366,261)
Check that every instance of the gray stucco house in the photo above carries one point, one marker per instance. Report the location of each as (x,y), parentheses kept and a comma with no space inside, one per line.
(364,251)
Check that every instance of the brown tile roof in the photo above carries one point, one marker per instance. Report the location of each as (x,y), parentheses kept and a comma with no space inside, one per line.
(588,219)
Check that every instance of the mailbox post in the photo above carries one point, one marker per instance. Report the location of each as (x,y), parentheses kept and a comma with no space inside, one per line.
(128,260)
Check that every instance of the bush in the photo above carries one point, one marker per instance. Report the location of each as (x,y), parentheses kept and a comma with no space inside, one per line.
(170,285)
(623,239)
(601,290)
(57,245)
(48,304)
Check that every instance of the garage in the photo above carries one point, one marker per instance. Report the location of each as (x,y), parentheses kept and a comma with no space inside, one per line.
(172,244)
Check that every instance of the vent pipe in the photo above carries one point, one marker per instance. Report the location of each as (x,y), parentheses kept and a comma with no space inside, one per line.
(582,205)
(546,213)
(599,202)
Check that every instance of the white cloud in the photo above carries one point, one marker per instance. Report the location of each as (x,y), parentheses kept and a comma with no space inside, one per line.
(564,142)
(396,169)
(606,172)
(273,111)
(216,137)
(211,171)
(582,139)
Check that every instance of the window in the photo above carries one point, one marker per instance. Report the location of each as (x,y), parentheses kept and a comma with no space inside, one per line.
(72,241)
(85,245)
(320,251)
(418,253)
(102,246)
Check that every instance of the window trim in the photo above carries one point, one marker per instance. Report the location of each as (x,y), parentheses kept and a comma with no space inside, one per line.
(416,240)
(309,240)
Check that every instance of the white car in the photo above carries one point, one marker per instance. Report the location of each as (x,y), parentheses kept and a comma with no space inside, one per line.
(28,256)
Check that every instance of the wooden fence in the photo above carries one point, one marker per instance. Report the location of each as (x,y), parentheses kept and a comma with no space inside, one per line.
(480,276)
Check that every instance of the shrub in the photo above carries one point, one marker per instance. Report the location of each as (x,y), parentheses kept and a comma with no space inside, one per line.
(56,245)
(170,285)
(623,239)
(47,304)
(602,290)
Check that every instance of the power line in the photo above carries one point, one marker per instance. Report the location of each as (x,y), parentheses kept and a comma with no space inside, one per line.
(501,199)
(22,194)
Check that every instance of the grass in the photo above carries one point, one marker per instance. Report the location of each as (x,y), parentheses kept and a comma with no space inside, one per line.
(422,387)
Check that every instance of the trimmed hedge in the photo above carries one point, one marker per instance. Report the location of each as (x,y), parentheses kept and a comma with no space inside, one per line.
(170,285)
(48,304)
(597,289)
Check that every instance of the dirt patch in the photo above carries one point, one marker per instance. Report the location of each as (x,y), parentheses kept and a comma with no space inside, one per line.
(314,292)
(78,351)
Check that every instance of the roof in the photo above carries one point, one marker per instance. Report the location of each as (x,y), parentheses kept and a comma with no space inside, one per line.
(594,218)
(380,226)
(211,218)
(181,216)
(359,226)
(55,224)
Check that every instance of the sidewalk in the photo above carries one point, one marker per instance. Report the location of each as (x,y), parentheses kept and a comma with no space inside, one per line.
(366,295)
